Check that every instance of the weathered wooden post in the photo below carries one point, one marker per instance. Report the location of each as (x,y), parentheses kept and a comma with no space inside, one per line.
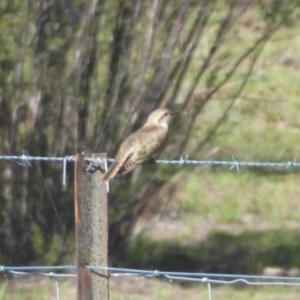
(91,220)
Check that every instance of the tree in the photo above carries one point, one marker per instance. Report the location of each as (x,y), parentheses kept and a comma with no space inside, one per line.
(82,75)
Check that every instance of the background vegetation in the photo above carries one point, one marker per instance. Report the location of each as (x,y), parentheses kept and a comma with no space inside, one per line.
(82,75)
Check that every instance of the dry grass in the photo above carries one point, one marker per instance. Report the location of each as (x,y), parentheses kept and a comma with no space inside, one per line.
(142,289)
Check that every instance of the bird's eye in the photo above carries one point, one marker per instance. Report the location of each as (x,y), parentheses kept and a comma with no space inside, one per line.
(166,114)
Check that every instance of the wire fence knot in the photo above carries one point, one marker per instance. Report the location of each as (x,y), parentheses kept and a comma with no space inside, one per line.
(235,164)
(25,159)
(291,164)
(183,161)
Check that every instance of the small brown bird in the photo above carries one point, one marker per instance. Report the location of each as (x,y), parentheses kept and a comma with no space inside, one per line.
(142,144)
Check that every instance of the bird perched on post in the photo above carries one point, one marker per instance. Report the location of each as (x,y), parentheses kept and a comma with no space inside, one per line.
(141,145)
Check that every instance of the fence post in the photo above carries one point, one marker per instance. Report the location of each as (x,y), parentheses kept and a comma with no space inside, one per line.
(91,220)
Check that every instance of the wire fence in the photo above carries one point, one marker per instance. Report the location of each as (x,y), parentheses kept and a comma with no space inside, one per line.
(61,272)
(208,279)
(183,161)
(233,164)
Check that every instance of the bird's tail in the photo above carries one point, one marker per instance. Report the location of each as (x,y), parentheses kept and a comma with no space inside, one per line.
(112,171)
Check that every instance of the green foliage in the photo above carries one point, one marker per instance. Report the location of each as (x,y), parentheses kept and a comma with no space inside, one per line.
(37,239)
(46,251)
(76,77)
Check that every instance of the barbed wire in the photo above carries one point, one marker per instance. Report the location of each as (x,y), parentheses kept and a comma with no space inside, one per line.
(234,163)
(205,278)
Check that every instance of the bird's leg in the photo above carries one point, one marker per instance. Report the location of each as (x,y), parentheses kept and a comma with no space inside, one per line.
(92,169)
(152,161)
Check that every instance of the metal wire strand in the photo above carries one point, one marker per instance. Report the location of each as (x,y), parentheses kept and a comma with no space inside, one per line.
(202,278)
(233,164)
(211,278)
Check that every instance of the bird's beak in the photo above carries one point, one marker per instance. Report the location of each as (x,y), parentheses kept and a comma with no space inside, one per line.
(175,113)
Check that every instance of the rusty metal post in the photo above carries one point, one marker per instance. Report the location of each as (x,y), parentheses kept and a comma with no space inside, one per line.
(91,220)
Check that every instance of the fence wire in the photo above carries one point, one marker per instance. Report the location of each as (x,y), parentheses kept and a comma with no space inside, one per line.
(202,278)
(60,272)
(234,163)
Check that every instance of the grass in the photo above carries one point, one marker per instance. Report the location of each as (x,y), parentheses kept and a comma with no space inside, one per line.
(227,196)
(149,289)
(223,249)
(226,221)
(39,288)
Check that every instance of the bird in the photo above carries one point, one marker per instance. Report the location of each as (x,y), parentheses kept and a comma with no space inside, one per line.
(142,144)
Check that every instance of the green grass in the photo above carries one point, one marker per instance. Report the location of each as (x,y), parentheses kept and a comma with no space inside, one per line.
(227,196)
(231,250)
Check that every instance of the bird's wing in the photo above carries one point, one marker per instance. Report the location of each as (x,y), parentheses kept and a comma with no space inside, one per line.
(137,148)
(146,143)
